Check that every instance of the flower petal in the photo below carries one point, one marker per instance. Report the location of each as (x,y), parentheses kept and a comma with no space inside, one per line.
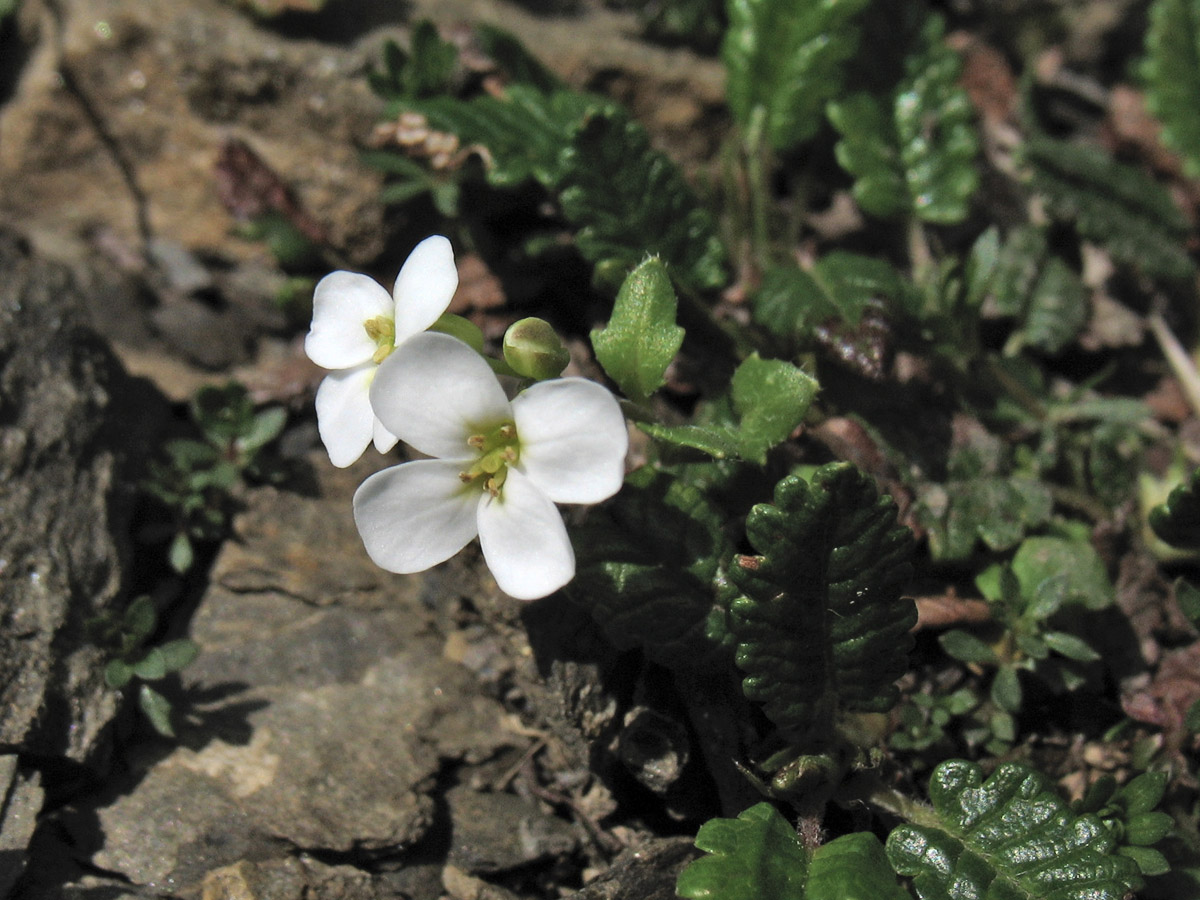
(342,303)
(573,439)
(524,540)
(415,515)
(435,392)
(427,281)
(384,439)
(344,417)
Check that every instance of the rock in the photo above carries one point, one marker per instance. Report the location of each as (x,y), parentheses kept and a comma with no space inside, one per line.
(528,834)
(645,872)
(20,803)
(73,439)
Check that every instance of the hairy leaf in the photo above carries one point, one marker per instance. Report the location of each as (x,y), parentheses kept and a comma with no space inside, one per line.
(1177,521)
(1111,203)
(755,856)
(1172,73)
(627,200)
(913,152)
(1007,838)
(647,562)
(820,625)
(1085,581)
(787,59)
(718,442)
(990,508)
(1042,292)
(641,338)
(770,397)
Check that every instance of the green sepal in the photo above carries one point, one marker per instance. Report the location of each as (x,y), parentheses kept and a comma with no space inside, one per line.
(1007,838)
(1171,70)
(1116,205)
(755,856)
(641,338)
(1177,521)
(787,59)
(648,566)
(820,625)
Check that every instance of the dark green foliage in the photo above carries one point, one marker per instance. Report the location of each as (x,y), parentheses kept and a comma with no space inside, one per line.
(1007,838)
(647,566)
(1113,204)
(913,151)
(997,510)
(628,200)
(757,856)
(424,71)
(1130,812)
(784,60)
(792,302)
(511,57)
(1178,520)
(1172,73)
(819,624)
(1040,291)
(697,23)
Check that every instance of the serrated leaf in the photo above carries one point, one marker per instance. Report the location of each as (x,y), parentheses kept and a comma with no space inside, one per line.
(641,338)
(755,856)
(820,625)
(157,709)
(1087,582)
(647,563)
(771,398)
(1111,203)
(791,302)
(914,151)
(1177,521)
(1172,73)
(787,59)
(852,867)
(1006,838)
(628,200)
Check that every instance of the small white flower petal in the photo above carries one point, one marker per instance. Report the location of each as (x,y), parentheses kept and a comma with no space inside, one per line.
(342,303)
(384,439)
(435,392)
(573,439)
(524,541)
(415,515)
(344,417)
(424,287)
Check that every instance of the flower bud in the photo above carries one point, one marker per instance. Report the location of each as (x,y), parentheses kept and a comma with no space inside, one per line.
(463,329)
(533,350)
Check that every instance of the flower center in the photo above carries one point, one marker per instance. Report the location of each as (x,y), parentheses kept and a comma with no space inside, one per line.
(498,449)
(382,330)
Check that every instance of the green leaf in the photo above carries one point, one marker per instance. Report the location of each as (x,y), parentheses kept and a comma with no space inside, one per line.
(117,673)
(820,625)
(1070,646)
(139,620)
(787,59)
(1007,838)
(1187,595)
(152,666)
(647,563)
(1177,521)
(629,200)
(771,398)
(425,70)
(1143,793)
(1172,73)
(792,302)
(1149,861)
(852,867)
(507,52)
(266,426)
(641,338)
(178,654)
(1087,582)
(913,152)
(965,647)
(1111,203)
(1006,690)
(157,709)
(753,857)
(1148,828)
(994,509)
(1042,292)
(719,443)
(180,554)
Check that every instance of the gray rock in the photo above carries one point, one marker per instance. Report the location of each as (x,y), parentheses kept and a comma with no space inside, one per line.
(20,803)
(527,834)
(645,872)
(73,426)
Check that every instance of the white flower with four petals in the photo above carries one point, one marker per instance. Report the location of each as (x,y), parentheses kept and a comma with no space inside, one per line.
(498,466)
(356,324)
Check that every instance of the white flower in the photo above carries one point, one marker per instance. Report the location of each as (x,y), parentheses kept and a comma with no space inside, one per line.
(355,326)
(498,470)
